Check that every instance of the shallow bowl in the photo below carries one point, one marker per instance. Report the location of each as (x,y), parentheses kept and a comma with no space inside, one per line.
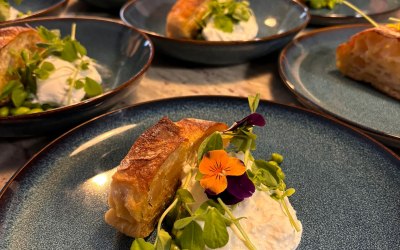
(124,52)
(37,8)
(285,17)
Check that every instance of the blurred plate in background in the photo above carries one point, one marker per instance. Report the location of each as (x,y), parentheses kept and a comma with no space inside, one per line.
(278,21)
(379,10)
(308,68)
(124,54)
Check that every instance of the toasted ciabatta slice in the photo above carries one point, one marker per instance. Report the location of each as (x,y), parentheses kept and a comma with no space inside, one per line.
(12,41)
(184,17)
(373,56)
(149,175)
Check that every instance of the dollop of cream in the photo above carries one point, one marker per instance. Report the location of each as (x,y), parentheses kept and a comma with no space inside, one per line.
(242,31)
(56,90)
(265,221)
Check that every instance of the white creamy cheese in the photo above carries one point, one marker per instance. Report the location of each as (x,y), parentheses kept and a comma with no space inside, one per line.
(241,31)
(266,223)
(55,89)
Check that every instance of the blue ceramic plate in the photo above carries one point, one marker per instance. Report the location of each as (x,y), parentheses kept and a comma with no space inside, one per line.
(348,186)
(124,54)
(38,7)
(380,10)
(285,17)
(308,67)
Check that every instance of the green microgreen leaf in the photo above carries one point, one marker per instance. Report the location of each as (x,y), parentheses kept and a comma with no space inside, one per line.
(267,174)
(79,84)
(69,52)
(18,96)
(181,223)
(185,196)
(191,237)
(208,204)
(25,55)
(79,48)
(92,88)
(48,35)
(85,64)
(48,66)
(223,23)
(253,102)
(212,142)
(215,233)
(141,244)
(44,70)
(164,240)
(8,88)
(289,192)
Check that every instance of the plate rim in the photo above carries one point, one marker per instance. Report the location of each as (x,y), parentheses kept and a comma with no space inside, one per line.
(54,143)
(311,104)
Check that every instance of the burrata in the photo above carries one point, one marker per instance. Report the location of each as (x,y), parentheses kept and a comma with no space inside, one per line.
(56,89)
(265,221)
(241,31)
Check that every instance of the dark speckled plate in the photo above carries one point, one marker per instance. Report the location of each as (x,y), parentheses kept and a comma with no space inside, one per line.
(379,10)
(348,186)
(308,67)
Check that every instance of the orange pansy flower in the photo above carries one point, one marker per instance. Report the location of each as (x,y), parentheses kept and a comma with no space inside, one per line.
(215,166)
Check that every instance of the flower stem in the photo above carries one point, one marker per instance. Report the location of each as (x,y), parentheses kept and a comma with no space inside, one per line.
(247,240)
(72,85)
(248,146)
(173,204)
(73,31)
(292,221)
(352,6)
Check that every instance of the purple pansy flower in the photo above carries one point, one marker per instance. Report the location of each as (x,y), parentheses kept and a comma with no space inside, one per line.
(254,119)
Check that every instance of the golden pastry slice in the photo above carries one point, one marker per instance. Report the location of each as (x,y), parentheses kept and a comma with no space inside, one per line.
(12,41)
(184,17)
(373,56)
(149,175)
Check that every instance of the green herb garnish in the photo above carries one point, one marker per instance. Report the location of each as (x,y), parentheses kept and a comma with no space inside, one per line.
(226,13)
(33,66)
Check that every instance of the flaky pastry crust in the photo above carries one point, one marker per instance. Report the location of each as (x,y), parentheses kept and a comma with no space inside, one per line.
(149,175)
(373,56)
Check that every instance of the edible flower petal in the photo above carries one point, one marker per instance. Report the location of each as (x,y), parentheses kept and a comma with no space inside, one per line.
(215,166)
(239,188)
(254,119)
